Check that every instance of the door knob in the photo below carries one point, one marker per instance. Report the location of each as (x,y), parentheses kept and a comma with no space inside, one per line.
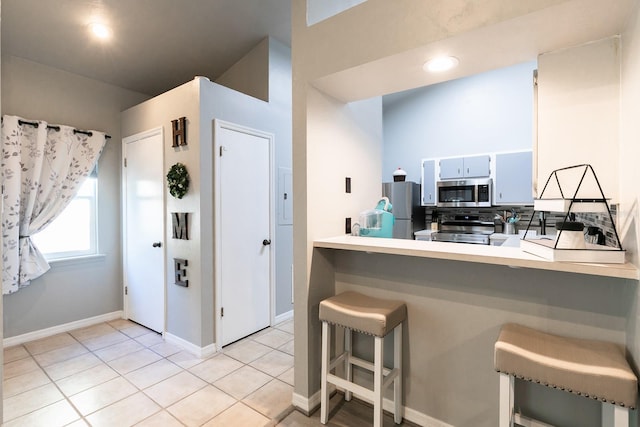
(157,245)
(266,242)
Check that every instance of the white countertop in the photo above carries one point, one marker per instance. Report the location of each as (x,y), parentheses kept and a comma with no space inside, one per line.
(484,254)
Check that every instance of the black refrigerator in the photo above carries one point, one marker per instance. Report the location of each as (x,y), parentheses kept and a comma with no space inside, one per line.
(409,215)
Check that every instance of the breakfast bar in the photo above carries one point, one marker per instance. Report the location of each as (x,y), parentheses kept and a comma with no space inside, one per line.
(458,296)
(483,254)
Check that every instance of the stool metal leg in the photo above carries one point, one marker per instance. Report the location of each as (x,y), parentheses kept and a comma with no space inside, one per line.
(378,378)
(324,387)
(506,400)
(397,382)
(614,416)
(348,368)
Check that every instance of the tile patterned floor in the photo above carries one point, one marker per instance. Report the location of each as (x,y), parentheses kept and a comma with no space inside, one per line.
(121,374)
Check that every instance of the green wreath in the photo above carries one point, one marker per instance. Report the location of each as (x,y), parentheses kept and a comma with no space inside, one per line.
(178,180)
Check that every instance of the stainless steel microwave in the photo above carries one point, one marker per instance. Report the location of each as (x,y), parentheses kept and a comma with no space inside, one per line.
(465,193)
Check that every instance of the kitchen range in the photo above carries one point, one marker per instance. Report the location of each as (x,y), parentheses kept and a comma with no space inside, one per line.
(465,229)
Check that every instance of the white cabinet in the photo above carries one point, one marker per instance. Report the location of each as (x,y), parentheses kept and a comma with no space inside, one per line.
(451,168)
(513,183)
(429,182)
(579,115)
(465,167)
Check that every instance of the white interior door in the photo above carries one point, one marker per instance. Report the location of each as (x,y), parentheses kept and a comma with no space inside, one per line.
(243,230)
(144,229)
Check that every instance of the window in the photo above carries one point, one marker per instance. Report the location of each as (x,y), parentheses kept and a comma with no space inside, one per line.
(73,232)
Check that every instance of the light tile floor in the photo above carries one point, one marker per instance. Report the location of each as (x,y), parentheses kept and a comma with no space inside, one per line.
(121,374)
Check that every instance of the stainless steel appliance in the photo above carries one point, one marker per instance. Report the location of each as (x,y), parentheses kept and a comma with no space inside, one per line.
(465,229)
(405,199)
(465,193)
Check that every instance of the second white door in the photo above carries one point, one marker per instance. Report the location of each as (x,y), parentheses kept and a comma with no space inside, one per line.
(243,249)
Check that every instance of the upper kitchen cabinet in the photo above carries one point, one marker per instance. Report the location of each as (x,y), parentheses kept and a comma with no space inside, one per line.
(429,182)
(465,167)
(514,174)
(579,112)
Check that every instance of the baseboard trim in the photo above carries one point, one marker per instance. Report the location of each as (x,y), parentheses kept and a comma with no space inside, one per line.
(308,405)
(201,352)
(66,327)
(283,317)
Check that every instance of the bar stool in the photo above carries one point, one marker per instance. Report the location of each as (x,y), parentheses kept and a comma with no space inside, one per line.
(373,316)
(589,368)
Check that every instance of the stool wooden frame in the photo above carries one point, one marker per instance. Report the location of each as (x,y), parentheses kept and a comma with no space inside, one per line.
(382,376)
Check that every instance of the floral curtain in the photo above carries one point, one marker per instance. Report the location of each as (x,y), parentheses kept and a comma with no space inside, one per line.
(42,168)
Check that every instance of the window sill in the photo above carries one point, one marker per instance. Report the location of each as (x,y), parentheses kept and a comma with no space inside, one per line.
(63,262)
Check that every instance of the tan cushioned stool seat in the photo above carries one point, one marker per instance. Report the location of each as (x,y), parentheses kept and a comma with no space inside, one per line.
(363,313)
(595,369)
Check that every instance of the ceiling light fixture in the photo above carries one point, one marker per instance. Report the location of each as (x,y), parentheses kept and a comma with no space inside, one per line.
(100,31)
(440,64)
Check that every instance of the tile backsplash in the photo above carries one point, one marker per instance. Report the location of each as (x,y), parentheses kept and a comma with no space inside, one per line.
(602,220)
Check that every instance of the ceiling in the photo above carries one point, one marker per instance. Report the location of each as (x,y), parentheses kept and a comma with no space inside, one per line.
(568,23)
(156,44)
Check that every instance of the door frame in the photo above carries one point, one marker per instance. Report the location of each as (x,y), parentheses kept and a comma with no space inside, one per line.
(126,140)
(217,242)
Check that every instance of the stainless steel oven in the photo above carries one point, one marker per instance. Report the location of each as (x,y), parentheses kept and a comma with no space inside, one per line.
(465,193)
(465,229)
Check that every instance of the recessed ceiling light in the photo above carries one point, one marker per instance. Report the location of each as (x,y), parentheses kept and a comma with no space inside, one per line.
(100,30)
(441,63)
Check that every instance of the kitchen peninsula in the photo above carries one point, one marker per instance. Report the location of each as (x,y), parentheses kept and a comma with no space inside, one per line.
(497,255)
(458,296)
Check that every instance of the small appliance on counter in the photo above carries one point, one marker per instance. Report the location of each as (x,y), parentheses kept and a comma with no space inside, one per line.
(409,214)
(377,222)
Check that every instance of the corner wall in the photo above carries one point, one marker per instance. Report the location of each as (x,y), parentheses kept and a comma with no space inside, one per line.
(184,306)
(190,311)
(64,294)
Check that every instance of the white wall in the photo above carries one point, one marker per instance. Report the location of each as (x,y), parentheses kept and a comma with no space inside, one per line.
(250,75)
(487,112)
(65,294)
(579,113)
(629,173)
